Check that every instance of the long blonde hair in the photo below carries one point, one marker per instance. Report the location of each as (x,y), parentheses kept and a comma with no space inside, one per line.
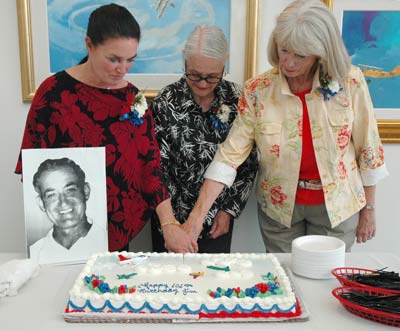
(307,27)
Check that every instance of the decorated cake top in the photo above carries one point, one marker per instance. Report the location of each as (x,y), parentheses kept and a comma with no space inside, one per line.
(190,279)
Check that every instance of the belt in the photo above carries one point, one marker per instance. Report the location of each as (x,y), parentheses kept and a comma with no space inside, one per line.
(310,184)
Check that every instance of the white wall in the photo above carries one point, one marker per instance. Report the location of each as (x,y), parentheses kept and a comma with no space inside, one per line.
(13,113)
(246,235)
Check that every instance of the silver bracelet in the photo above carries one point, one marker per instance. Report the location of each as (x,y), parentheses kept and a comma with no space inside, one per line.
(369,207)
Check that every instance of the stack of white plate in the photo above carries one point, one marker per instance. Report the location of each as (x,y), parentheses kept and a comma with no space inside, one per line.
(315,256)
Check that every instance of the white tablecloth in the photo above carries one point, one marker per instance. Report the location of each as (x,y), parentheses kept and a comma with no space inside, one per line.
(40,303)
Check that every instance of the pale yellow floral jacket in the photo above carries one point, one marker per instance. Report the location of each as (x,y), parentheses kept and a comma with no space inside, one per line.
(345,136)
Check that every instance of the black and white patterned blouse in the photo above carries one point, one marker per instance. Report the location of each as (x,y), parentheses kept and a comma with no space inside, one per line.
(188,141)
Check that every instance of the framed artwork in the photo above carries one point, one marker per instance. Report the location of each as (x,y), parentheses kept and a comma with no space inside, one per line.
(52,32)
(370,31)
(65,203)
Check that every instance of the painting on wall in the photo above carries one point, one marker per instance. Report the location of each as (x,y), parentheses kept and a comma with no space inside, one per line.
(372,39)
(165,27)
(52,37)
(371,33)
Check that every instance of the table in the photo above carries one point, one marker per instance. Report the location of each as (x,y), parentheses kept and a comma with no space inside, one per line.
(39,304)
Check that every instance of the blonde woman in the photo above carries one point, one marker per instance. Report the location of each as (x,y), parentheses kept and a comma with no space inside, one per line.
(313,122)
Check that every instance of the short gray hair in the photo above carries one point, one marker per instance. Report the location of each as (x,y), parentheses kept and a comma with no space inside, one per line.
(208,41)
(307,27)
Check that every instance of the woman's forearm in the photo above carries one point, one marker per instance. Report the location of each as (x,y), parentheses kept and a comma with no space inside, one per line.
(370,195)
(208,193)
(164,212)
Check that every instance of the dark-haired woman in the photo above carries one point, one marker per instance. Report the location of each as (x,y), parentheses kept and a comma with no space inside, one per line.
(92,105)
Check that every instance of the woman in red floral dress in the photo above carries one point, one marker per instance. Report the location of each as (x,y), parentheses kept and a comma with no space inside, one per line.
(89,105)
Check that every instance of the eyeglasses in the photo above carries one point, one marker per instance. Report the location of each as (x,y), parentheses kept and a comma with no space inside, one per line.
(210,79)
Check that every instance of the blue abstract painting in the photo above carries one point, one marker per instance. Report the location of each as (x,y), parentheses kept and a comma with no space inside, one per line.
(372,39)
(165,25)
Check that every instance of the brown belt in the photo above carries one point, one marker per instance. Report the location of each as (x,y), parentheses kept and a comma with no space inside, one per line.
(310,184)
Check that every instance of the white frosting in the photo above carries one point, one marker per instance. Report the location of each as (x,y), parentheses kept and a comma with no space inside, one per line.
(174,280)
(184,268)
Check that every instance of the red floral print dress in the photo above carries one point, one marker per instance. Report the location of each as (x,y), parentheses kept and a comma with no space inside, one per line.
(68,113)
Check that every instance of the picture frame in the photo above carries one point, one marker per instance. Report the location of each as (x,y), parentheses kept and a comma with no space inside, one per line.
(34,46)
(389,128)
(388,119)
(64,187)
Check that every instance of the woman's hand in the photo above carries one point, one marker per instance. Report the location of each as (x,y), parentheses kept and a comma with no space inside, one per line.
(366,227)
(193,228)
(177,240)
(220,225)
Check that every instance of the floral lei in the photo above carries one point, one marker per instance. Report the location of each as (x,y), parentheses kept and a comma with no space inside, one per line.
(220,117)
(138,109)
(329,88)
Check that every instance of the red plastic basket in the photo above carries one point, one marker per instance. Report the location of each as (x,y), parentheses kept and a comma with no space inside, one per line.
(368,313)
(341,273)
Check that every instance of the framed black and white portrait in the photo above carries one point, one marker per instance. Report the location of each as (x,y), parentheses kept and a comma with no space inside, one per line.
(65,203)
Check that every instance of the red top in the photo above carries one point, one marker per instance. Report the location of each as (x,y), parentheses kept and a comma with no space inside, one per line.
(68,113)
(308,165)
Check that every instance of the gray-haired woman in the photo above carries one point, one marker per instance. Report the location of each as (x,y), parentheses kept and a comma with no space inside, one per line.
(313,122)
(192,117)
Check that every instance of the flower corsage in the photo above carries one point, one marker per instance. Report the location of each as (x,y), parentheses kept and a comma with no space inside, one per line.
(220,117)
(138,109)
(329,88)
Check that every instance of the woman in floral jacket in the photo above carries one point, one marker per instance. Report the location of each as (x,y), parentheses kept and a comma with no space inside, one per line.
(193,116)
(92,105)
(313,122)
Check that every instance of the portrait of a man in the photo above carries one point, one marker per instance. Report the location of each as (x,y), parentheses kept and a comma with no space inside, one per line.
(62,193)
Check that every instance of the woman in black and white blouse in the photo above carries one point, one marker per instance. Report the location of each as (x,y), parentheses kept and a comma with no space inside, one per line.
(192,117)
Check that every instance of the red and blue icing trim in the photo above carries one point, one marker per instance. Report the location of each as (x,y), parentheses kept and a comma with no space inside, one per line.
(126,307)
